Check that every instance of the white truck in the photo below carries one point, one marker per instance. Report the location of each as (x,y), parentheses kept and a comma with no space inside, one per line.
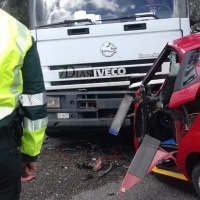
(92,50)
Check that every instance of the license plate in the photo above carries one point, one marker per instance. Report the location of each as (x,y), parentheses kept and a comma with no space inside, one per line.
(121,115)
(63,115)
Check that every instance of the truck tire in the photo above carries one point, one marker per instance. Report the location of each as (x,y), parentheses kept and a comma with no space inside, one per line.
(196,178)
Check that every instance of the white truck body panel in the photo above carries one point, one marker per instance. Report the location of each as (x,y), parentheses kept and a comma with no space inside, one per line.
(57,48)
(62,48)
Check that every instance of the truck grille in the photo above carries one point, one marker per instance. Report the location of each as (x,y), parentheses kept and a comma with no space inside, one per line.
(93,75)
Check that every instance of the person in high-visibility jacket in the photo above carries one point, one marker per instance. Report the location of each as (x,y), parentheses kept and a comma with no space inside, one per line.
(21,86)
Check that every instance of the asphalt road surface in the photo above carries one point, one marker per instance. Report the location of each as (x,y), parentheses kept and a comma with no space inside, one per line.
(65,171)
(151,188)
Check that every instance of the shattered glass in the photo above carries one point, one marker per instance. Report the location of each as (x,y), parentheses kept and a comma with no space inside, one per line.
(174,66)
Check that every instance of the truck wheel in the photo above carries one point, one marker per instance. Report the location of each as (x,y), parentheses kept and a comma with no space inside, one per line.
(196,178)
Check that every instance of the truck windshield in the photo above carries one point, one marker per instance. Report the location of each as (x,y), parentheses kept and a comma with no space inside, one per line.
(44,12)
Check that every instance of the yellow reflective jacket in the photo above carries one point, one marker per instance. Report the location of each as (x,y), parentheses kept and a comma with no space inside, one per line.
(21,82)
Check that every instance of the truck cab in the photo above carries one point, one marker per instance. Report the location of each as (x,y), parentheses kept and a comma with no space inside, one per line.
(89,50)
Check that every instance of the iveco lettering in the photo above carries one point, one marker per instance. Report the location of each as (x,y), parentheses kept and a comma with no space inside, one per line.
(110,72)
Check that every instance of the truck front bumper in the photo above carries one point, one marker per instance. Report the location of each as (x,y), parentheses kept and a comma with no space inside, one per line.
(86,109)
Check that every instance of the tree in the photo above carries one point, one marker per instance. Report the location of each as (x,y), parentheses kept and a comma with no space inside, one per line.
(194,11)
(19,10)
(194,6)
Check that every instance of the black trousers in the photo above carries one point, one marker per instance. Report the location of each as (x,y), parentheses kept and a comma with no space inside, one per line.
(10,167)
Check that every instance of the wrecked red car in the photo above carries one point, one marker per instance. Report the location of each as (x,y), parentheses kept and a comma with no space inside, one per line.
(167,118)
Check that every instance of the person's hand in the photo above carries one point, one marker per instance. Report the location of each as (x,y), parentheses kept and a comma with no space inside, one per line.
(29,168)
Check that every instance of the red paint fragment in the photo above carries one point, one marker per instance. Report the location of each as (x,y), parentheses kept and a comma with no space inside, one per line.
(111,157)
(98,165)
(117,153)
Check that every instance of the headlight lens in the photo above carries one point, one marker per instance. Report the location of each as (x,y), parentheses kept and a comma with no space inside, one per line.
(53,102)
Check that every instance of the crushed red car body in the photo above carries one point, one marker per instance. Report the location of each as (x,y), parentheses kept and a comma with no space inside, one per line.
(166,117)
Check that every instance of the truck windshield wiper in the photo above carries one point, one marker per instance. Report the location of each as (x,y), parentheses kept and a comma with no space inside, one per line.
(68,22)
(137,15)
(118,18)
(148,14)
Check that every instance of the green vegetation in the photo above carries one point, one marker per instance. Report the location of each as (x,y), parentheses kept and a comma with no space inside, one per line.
(19,9)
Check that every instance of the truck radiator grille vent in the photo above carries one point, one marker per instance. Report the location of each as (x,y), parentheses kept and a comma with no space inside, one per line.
(105,64)
(91,81)
(113,74)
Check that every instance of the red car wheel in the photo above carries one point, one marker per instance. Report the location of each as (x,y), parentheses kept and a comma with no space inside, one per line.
(196,178)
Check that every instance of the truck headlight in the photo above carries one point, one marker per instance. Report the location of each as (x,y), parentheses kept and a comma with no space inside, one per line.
(53,102)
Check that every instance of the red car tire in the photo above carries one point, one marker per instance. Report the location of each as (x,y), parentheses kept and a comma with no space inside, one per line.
(196,178)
